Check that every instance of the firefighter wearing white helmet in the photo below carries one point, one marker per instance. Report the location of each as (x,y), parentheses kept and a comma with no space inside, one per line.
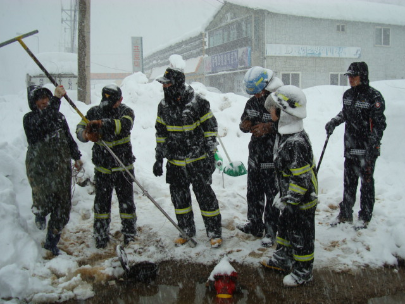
(298,188)
(262,217)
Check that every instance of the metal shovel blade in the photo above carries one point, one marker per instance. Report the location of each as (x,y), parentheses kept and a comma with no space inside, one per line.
(235,169)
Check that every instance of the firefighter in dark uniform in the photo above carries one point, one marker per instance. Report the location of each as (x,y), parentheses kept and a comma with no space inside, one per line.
(261,184)
(112,122)
(363,115)
(48,162)
(298,188)
(186,133)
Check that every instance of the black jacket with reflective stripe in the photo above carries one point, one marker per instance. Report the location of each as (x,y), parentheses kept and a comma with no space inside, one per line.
(363,113)
(115,132)
(184,127)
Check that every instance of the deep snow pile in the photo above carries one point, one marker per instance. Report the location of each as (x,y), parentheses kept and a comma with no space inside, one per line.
(28,272)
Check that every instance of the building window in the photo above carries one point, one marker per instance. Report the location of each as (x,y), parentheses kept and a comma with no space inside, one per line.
(291,79)
(341,28)
(233,31)
(382,36)
(338,79)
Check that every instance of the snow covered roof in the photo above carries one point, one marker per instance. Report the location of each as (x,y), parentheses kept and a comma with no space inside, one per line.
(332,9)
(191,66)
(54,63)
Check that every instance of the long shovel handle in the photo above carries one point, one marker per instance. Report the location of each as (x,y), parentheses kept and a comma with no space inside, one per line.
(192,242)
(226,153)
(323,152)
(19,39)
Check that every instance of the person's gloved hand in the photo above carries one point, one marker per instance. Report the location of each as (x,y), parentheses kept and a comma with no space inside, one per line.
(78,165)
(59,91)
(158,168)
(261,129)
(94,125)
(330,126)
(246,125)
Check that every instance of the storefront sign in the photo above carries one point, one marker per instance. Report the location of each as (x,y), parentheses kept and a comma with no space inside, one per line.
(312,51)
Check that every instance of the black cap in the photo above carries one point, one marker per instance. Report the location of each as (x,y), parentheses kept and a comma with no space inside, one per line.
(173,76)
(357,69)
(111,92)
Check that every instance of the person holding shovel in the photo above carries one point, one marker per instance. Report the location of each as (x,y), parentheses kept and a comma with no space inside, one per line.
(48,162)
(186,133)
(261,184)
(112,122)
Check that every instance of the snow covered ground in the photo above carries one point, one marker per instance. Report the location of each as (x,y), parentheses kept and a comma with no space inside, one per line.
(27,271)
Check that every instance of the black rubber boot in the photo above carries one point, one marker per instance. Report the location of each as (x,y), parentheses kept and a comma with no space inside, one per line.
(40,222)
(51,241)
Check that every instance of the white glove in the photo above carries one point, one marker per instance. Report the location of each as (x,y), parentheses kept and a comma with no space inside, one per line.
(60,91)
(278,203)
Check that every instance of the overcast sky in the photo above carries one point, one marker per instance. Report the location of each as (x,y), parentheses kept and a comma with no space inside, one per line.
(113,23)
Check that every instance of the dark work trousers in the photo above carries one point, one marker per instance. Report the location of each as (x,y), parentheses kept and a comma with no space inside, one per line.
(105,183)
(181,198)
(296,240)
(261,189)
(354,168)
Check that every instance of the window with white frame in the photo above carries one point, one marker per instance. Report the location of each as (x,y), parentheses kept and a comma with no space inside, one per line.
(341,28)
(291,79)
(338,79)
(382,36)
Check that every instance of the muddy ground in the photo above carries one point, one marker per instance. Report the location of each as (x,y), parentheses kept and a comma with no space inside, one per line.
(181,284)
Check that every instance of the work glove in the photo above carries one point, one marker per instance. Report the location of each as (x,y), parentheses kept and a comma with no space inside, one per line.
(91,136)
(261,129)
(158,168)
(59,91)
(78,165)
(246,125)
(330,126)
(94,125)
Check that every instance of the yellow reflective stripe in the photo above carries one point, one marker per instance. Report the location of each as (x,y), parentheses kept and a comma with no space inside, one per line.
(117,126)
(210,213)
(128,216)
(160,139)
(183,211)
(285,174)
(208,134)
(183,128)
(206,117)
(283,242)
(297,189)
(304,258)
(130,118)
(187,161)
(301,170)
(224,296)
(159,120)
(101,216)
(314,181)
(103,170)
(82,123)
(117,169)
(111,144)
(309,205)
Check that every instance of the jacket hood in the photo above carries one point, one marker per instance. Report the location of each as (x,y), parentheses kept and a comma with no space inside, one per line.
(34,93)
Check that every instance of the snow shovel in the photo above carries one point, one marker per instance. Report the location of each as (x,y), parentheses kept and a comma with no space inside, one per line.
(192,242)
(234,168)
(323,151)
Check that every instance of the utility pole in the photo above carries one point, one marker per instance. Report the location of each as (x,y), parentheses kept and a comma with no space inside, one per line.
(83,81)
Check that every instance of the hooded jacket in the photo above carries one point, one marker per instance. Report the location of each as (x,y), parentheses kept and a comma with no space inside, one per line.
(41,126)
(186,129)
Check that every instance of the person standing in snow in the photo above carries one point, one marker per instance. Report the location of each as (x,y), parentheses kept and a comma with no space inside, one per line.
(363,115)
(112,122)
(261,184)
(186,133)
(298,188)
(48,162)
